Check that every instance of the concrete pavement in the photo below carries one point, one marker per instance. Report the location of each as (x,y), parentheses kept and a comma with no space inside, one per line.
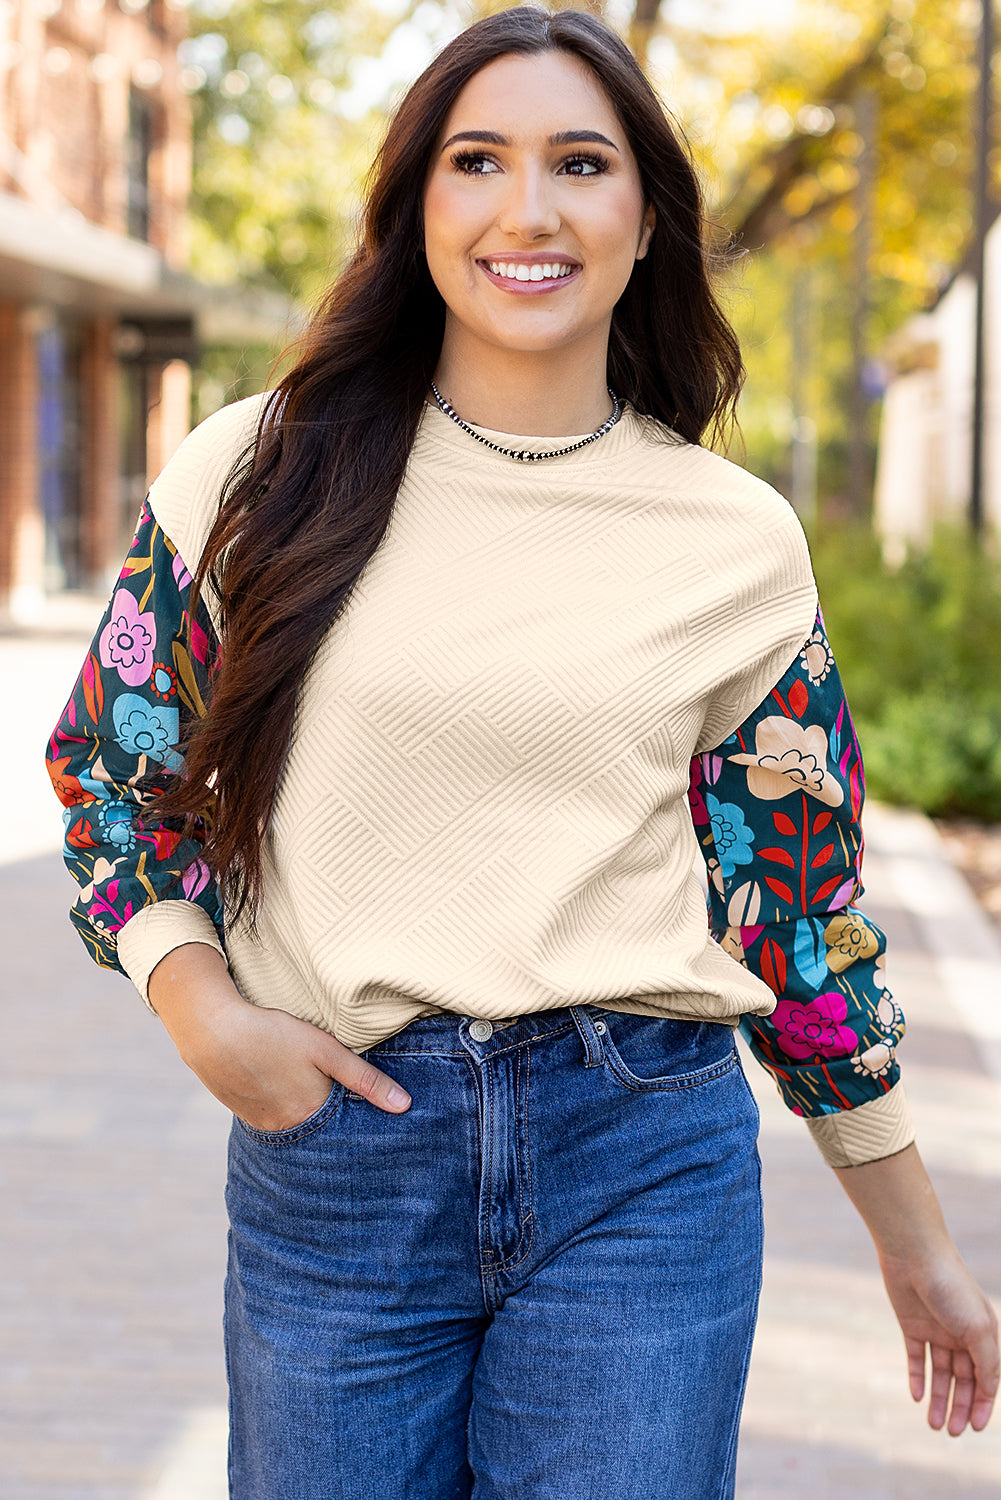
(112,1241)
(828,1413)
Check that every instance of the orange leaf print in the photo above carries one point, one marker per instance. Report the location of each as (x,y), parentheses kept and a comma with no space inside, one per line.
(93,688)
(773,965)
(827,887)
(80,837)
(822,856)
(798,698)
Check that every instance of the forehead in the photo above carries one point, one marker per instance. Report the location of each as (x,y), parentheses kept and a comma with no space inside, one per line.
(519,95)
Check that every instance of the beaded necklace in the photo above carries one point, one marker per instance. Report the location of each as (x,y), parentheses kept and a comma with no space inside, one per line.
(525,455)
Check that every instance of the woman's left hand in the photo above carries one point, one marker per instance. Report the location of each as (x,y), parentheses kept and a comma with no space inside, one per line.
(940,1308)
(938,1304)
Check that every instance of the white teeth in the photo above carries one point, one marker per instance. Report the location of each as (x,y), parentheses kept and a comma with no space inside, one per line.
(518,271)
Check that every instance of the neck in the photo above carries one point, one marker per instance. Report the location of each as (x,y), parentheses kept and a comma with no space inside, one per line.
(550,393)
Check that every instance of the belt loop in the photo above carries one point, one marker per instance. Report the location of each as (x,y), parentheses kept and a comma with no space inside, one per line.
(593,1051)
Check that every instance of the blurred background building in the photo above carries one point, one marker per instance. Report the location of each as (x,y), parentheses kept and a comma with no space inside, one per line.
(925,436)
(99,324)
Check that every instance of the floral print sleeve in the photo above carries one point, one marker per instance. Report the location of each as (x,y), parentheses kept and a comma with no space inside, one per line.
(120,728)
(777,809)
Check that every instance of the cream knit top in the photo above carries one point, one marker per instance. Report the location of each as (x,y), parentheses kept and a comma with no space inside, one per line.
(484,811)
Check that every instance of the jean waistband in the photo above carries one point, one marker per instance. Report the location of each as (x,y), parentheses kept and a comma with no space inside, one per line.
(444,1033)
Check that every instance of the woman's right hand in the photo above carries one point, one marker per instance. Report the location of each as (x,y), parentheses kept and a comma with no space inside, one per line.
(268,1067)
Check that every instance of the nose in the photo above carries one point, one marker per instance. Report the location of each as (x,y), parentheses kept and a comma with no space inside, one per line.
(529,210)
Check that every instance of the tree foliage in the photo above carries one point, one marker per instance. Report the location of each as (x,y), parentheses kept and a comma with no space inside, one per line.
(284,131)
(290,98)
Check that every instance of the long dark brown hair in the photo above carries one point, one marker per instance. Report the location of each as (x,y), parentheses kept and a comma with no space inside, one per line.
(306,507)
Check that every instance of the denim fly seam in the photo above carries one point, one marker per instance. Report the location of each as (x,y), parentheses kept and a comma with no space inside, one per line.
(506,1225)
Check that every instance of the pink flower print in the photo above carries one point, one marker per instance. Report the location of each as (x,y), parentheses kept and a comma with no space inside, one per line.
(804,1030)
(696,801)
(181,575)
(195,878)
(128,639)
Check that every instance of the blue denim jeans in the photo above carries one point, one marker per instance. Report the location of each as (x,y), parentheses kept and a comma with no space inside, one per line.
(538,1283)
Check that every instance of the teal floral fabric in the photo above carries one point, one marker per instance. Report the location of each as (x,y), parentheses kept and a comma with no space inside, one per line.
(776,809)
(141,679)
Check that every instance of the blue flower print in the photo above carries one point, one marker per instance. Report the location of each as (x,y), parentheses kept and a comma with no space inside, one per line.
(731,836)
(116,818)
(143,728)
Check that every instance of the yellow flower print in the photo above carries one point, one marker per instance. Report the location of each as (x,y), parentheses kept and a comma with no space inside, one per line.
(789,757)
(848,937)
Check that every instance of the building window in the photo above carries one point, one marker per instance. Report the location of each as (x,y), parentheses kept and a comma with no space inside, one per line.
(59,451)
(140,149)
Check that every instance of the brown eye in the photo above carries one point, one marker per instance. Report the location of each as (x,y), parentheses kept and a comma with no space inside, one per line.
(585,164)
(472,163)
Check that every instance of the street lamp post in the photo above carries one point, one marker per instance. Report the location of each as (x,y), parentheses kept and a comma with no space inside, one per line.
(981,220)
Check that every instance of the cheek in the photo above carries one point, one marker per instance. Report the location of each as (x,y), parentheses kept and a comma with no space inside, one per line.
(615,228)
(449,220)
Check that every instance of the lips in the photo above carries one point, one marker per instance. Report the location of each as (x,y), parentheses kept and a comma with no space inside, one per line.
(531,276)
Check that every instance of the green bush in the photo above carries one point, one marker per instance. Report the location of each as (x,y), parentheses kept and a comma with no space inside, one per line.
(919,649)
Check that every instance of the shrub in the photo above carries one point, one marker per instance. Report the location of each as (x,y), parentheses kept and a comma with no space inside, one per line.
(919,649)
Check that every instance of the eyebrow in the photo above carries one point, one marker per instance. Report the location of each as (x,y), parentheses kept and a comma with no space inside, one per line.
(561,138)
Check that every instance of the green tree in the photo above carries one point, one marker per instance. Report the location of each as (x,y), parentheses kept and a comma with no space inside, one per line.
(290,99)
(284,125)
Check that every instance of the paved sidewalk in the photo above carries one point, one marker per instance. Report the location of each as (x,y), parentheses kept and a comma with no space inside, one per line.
(828,1413)
(112,1241)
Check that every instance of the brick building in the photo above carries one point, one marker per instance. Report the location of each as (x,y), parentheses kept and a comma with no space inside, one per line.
(98,322)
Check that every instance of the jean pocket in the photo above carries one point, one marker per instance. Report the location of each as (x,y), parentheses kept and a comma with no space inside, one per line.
(655,1052)
(305,1127)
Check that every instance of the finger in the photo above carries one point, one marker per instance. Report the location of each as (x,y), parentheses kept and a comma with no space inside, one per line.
(915,1367)
(963,1388)
(983,1405)
(362,1078)
(987,1369)
(941,1383)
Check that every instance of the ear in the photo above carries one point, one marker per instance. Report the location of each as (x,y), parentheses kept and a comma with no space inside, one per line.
(649,224)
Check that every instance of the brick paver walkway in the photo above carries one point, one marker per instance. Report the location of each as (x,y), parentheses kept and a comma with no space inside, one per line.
(112,1235)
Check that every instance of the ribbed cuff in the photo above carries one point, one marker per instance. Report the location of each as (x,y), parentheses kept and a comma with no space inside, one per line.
(868,1132)
(157,930)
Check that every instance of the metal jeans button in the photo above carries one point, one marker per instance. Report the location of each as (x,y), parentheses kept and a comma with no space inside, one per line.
(480,1031)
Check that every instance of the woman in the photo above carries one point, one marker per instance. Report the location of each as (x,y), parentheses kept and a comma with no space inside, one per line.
(421,909)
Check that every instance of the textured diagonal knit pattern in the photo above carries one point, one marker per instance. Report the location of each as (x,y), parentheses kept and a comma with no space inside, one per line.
(485,807)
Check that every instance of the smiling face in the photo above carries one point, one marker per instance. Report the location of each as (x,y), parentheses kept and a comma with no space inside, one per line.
(533,208)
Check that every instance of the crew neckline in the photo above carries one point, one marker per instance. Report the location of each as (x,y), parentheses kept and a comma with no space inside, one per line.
(440,428)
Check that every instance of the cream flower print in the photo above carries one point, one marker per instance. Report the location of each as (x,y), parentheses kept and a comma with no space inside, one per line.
(730,942)
(790,757)
(103,870)
(888,1011)
(848,937)
(817,656)
(875,1060)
